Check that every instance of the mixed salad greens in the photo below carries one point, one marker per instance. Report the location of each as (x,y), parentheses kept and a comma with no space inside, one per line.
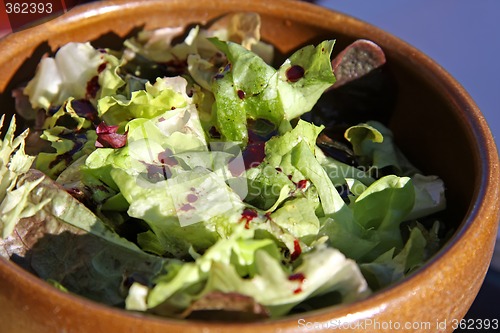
(177,176)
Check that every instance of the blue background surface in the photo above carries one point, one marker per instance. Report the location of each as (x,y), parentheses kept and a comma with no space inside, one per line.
(463,36)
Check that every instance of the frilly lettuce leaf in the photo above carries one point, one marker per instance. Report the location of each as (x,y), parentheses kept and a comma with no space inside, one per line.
(16,205)
(253,268)
(299,209)
(294,153)
(154,100)
(69,145)
(429,196)
(298,97)
(14,190)
(279,291)
(390,267)
(157,46)
(265,185)
(176,130)
(339,172)
(248,88)
(65,75)
(177,221)
(13,159)
(279,146)
(331,201)
(111,78)
(374,227)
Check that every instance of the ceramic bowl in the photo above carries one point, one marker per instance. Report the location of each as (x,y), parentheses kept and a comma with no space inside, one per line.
(435,123)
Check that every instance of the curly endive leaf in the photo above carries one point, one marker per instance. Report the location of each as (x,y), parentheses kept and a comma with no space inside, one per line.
(14,163)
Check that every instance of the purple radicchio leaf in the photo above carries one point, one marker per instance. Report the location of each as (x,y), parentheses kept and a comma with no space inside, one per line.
(107,137)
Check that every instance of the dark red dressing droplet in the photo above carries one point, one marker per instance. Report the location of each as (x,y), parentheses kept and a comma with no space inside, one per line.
(297,250)
(101,67)
(248,215)
(302,184)
(92,87)
(299,277)
(295,73)
(241,94)
(268,216)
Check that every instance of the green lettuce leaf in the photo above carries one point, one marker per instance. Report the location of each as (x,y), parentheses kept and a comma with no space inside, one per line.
(265,185)
(69,145)
(429,196)
(248,88)
(376,215)
(165,94)
(331,201)
(291,212)
(390,267)
(382,207)
(14,190)
(339,172)
(178,220)
(299,97)
(253,268)
(374,144)
(62,206)
(156,45)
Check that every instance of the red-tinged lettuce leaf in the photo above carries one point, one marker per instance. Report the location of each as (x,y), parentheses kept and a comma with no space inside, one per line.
(91,267)
(91,261)
(107,137)
(28,231)
(226,306)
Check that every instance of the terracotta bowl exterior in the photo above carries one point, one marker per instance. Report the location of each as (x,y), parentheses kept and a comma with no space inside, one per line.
(436,124)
